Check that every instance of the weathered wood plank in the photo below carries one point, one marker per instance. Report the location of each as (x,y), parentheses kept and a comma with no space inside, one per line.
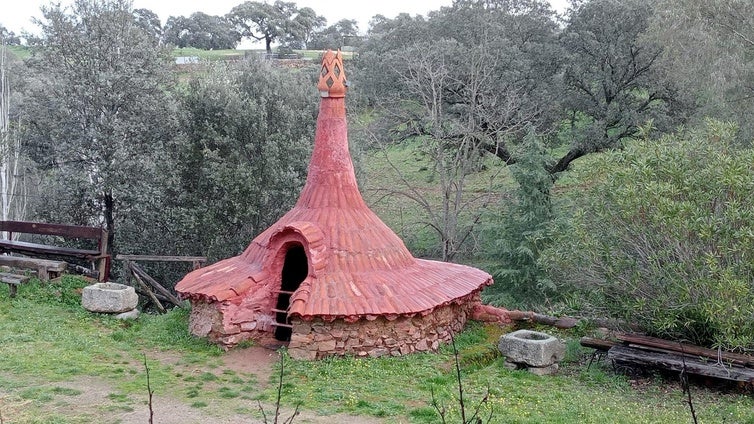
(141,292)
(677,362)
(98,255)
(138,272)
(280,324)
(192,259)
(9,278)
(43,249)
(26,262)
(150,294)
(45,268)
(667,345)
(72,231)
(599,344)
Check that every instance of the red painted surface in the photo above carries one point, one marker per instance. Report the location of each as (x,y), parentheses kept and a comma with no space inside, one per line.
(358,267)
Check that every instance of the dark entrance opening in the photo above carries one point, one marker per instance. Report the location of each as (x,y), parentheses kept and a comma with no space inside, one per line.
(295,270)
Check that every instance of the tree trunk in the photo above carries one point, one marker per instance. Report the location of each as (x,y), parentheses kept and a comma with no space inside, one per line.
(109,219)
(268,44)
(12,203)
(501,152)
(566,160)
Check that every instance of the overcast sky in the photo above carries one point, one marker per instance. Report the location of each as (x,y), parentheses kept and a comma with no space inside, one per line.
(16,14)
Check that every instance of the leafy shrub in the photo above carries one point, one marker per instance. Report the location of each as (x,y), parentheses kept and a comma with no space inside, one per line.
(664,236)
(64,292)
(241,161)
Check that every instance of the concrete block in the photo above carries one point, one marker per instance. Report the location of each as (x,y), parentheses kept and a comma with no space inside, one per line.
(111,298)
(531,348)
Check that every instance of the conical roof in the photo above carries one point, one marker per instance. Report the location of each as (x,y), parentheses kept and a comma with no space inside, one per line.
(357,266)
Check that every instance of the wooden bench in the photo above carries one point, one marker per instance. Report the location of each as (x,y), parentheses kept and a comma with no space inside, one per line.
(13,281)
(46,269)
(98,234)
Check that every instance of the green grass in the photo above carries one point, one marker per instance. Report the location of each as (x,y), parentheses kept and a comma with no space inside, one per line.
(21,52)
(401,389)
(47,338)
(212,55)
(53,351)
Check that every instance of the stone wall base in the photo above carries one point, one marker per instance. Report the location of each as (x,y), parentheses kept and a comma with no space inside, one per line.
(211,320)
(318,338)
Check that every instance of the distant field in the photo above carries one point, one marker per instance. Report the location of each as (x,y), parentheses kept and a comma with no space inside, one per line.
(230,54)
(233,54)
(21,52)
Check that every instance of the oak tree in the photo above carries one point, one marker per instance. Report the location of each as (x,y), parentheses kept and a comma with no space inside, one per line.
(614,77)
(274,22)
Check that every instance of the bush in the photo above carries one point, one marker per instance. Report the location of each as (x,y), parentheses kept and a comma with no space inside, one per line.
(664,237)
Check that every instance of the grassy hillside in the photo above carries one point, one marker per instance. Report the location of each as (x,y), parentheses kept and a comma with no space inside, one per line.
(398,178)
(21,52)
(229,54)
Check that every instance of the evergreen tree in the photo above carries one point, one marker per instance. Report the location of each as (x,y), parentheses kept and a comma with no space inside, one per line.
(522,232)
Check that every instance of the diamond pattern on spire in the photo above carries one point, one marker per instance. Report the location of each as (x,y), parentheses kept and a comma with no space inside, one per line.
(332,78)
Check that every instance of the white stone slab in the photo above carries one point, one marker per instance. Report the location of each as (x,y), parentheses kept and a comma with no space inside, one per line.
(111,298)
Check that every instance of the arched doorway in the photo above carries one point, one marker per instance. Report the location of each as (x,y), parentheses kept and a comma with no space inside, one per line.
(295,270)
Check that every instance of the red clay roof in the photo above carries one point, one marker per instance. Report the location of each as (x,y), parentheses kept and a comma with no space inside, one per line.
(358,267)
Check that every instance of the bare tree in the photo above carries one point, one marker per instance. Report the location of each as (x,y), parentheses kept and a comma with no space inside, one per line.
(451,144)
(13,191)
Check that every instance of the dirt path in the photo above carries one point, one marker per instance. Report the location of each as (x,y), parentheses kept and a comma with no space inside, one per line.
(90,399)
(254,360)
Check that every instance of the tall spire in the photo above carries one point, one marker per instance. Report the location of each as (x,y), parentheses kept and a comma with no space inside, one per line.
(331,180)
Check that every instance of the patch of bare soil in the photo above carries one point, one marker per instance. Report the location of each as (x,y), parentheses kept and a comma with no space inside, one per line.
(253,360)
(93,400)
(95,404)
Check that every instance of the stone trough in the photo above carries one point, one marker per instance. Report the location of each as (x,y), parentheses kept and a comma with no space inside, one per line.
(537,352)
(109,298)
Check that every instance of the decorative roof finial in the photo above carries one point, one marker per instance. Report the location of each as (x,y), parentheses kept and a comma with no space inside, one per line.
(332,78)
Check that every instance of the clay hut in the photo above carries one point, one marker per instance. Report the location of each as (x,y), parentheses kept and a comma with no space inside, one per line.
(330,277)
